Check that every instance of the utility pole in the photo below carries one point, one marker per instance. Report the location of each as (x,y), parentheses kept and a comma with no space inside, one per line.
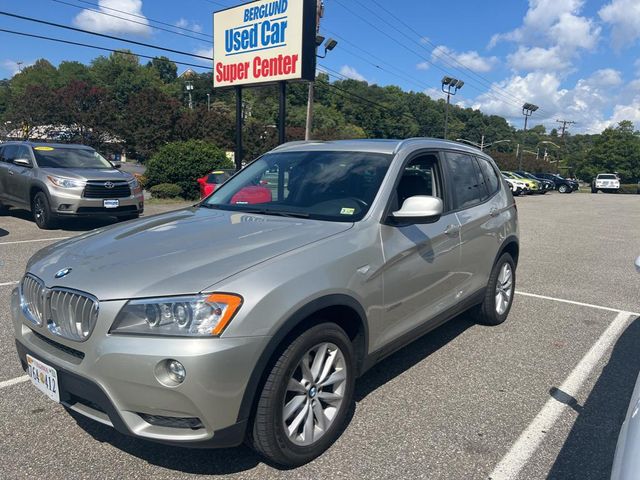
(309,125)
(208,102)
(564,139)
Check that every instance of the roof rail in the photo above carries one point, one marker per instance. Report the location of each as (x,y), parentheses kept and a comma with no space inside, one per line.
(296,142)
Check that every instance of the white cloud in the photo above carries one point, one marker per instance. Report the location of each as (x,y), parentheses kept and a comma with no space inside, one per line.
(350,72)
(591,102)
(13,67)
(423,66)
(538,58)
(98,22)
(184,23)
(471,59)
(624,18)
(551,35)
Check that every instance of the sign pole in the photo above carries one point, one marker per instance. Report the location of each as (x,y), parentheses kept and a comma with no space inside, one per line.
(282,115)
(238,153)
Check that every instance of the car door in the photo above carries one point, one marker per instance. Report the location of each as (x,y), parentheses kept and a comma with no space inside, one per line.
(421,260)
(7,173)
(19,179)
(480,211)
(4,169)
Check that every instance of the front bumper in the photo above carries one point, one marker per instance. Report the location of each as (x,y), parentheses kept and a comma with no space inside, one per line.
(68,203)
(112,379)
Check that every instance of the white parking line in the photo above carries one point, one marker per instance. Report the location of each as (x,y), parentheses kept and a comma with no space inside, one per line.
(36,240)
(7,284)
(572,302)
(529,441)
(14,381)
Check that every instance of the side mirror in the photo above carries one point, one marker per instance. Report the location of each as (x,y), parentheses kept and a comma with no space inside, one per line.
(420,208)
(117,166)
(638,264)
(22,162)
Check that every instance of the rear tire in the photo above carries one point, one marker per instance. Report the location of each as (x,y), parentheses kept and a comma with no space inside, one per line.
(41,210)
(498,297)
(282,431)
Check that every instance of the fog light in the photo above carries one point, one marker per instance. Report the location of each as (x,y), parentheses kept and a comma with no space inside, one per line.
(176,371)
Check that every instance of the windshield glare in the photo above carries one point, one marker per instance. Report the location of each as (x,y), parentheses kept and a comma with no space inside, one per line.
(334,186)
(50,157)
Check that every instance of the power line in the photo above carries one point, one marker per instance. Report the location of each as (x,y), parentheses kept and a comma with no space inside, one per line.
(146,24)
(159,22)
(79,44)
(480,78)
(430,62)
(564,125)
(66,27)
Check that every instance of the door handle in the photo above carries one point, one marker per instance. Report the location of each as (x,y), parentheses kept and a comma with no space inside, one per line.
(11,172)
(452,230)
(494,212)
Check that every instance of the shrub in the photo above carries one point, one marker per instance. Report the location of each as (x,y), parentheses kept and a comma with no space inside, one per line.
(182,163)
(166,190)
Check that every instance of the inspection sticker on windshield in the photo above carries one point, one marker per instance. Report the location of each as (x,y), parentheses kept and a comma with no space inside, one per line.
(347,211)
(44,149)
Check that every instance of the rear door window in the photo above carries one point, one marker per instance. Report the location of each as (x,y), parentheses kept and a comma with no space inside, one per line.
(489,176)
(467,183)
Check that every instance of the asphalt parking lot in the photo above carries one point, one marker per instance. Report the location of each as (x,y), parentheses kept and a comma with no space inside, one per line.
(542,396)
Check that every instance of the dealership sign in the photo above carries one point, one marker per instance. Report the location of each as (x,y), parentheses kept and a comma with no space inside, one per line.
(263,42)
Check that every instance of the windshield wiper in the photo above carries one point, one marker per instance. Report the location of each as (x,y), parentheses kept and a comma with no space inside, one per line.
(281,213)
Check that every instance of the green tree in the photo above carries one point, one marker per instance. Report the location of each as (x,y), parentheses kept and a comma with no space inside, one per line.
(165,68)
(182,163)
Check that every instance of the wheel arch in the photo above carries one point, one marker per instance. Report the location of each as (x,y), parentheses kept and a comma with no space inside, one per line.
(341,309)
(510,245)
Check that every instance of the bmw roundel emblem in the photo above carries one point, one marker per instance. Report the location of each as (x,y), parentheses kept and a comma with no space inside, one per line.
(63,273)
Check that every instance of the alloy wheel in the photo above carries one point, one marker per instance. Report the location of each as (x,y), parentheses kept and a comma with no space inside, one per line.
(504,289)
(315,393)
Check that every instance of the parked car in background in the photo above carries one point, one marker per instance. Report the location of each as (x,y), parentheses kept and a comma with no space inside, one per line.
(545,185)
(563,185)
(57,181)
(626,462)
(228,320)
(213,180)
(606,183)
(533,186)
(518,187)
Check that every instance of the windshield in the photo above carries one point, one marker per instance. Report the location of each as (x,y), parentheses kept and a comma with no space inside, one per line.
(607,176)
(60,157)
(334,186)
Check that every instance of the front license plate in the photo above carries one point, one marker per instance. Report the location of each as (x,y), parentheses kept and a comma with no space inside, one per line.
(111,203)
(44,377)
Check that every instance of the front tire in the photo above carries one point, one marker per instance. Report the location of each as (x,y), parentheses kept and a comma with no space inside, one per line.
(41,211)
(498,298)
(303,405)
(563,189)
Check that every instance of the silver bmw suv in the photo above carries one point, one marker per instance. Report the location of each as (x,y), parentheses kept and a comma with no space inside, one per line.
(250,315)
(56,181)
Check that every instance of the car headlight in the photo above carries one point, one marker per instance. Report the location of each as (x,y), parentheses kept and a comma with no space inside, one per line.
(133,183)
(193,316)
(66,182)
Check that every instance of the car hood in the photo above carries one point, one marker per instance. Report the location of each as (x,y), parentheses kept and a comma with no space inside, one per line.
(89,173)
(177,253)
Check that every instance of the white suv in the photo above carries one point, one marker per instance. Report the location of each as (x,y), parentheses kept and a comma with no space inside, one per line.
(606,182)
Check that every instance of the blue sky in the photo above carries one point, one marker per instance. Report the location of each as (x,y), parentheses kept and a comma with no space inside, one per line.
(578,60)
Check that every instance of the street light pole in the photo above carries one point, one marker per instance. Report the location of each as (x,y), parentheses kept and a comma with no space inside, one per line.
(189,86)
(452,86)
(208,102)
(527,111)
